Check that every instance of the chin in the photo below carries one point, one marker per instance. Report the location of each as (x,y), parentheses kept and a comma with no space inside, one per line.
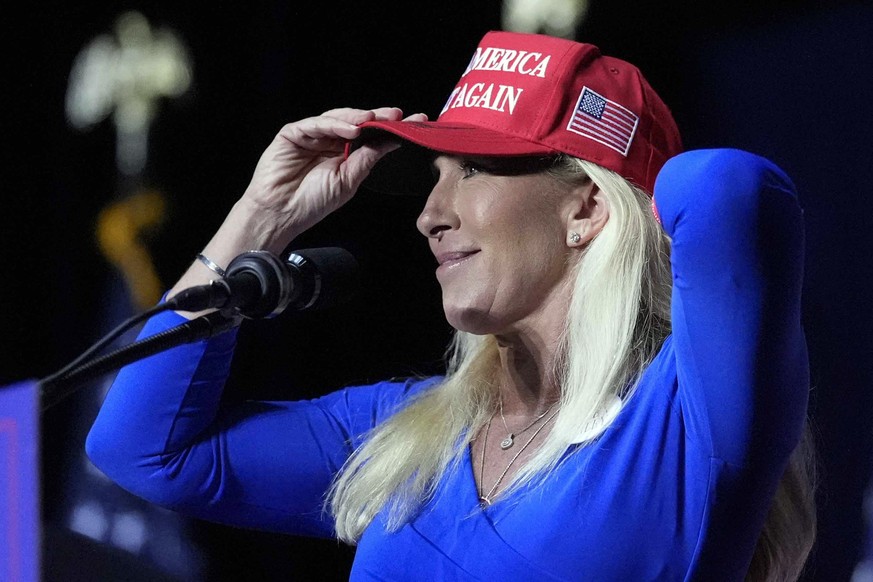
(471,320)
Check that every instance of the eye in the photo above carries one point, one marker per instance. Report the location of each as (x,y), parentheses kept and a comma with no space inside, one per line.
(469,168)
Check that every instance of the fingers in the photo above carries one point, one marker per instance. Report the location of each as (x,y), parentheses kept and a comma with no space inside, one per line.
(387,113)
(328,131)
(319,133)
(362,160)
(358,116)
(359,164)
(328,134)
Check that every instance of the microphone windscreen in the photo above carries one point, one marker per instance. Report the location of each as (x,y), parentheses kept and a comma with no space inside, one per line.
(330,276)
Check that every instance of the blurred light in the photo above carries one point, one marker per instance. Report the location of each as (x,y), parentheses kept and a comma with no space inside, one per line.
(120,228)
(863,573)
(124,76)
(89,519)
(129,531)
(553,17)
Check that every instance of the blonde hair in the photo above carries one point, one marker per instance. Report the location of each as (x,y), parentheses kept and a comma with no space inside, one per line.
(618,318)
(790,528)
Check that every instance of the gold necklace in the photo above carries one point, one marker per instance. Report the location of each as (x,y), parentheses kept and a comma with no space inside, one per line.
(509,440)
(485,498)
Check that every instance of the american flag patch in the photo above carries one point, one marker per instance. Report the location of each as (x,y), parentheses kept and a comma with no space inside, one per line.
(604,121)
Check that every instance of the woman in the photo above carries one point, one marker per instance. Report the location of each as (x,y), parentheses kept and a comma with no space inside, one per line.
(589,426)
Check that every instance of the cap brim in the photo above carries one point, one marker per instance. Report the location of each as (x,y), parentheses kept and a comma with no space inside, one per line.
(406,170)
(454,138)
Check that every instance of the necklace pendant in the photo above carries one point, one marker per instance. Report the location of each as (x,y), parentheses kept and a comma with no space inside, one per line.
(507,442)
(484,501)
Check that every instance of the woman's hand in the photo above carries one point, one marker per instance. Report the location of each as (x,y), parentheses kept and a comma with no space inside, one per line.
(303,175)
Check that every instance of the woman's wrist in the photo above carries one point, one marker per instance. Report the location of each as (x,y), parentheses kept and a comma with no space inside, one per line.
(247,227)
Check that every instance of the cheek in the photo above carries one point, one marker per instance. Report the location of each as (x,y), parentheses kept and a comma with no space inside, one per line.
(538,236)
(535,260)
(525,246)
(527,219)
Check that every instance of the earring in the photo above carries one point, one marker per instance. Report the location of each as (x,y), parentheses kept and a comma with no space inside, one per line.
(574,237)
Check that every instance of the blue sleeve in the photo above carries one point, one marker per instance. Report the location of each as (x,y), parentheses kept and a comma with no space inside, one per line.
(737,258)
(163,434)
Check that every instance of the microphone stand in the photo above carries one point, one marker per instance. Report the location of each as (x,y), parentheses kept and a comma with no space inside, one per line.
(256,284)
(54,389)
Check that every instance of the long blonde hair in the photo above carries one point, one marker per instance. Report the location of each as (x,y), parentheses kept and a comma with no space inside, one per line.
(790,528)
(618,318)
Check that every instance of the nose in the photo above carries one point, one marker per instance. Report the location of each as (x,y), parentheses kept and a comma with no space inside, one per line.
(439,214)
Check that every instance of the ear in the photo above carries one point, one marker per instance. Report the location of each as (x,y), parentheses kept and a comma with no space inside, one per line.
(587,213)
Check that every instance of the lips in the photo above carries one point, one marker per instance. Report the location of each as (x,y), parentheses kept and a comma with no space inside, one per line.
(448,258)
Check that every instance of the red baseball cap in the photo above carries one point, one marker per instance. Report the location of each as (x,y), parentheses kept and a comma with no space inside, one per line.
(530,94)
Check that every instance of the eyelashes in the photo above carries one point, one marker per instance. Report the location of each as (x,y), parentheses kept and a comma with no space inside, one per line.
(496,165)
(468,168)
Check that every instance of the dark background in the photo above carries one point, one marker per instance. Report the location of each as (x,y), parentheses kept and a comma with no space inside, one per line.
(792,81)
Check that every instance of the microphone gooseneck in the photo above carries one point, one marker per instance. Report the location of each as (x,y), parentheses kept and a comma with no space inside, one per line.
(256,284)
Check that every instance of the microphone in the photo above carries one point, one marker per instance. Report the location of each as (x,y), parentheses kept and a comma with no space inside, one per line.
(258,284)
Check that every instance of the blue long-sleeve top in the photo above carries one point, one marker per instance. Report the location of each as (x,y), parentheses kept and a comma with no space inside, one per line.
(677,488)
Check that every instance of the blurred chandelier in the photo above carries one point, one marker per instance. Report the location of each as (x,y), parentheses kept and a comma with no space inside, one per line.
(553,17)
(124,76)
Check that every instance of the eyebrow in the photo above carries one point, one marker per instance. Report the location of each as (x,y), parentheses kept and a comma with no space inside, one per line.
(501,165)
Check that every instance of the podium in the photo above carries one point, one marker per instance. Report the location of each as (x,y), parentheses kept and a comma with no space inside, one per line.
(19,482)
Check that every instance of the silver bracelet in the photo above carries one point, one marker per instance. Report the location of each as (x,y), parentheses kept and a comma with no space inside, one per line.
(211,266)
